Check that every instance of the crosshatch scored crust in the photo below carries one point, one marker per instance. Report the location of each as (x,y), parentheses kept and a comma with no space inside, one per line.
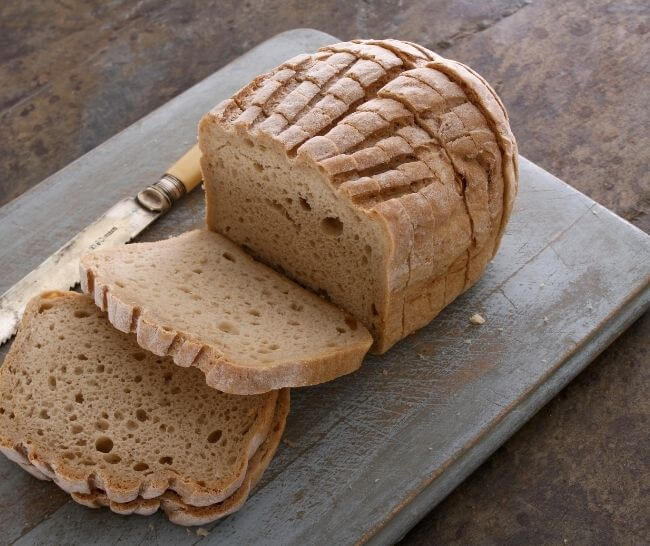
(183,514)
(83,405)
(202,300)
(405,158)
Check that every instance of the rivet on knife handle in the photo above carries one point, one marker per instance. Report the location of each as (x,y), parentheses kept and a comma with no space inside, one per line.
(182,177)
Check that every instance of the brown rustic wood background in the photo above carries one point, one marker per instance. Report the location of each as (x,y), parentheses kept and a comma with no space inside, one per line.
(574,76)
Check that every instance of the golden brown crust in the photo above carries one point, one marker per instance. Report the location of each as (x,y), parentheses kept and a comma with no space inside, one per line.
(417,142)
(182,513)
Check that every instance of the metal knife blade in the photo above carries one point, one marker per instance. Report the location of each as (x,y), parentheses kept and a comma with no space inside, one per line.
(121,223)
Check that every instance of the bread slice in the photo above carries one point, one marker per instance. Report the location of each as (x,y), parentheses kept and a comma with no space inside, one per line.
(373,171)
(87,408)
(184,514)
(202,300)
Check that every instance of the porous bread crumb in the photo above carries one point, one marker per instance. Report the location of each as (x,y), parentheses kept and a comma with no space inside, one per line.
(202,532)
(476,318)
(201,299)
(85,405)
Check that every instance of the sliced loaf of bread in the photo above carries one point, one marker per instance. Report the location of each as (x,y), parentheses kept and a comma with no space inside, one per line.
(202,300)
(374,171)
(82,404)
(184,514)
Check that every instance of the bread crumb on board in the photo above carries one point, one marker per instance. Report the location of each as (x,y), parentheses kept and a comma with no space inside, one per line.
(202,532)
(289,443)
(476,319)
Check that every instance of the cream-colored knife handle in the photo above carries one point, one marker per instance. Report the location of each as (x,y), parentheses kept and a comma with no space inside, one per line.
(182,177)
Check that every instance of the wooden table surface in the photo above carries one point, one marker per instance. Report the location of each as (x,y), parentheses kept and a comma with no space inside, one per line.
(574,77)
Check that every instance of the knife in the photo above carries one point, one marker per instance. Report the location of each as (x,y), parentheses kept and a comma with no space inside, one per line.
(118,225)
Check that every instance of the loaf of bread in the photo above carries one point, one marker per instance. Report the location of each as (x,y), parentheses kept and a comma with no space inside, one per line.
(202,300)
(184,514)
(376,173)
(83,405)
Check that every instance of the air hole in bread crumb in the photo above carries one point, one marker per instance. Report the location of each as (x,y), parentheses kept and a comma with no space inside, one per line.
(274,347)
(44,307)
(43,414)
(249,142)
(139,467)
(81,442)
(374,309)
(81,356)
(176,390)
(101,368)
(214,436)
(137,378)
(131,425)
(293,323)
(51,381)
(118,415)
(141,415)
(332,226)
(305,204)
(102,425)
(229,257)
(112,458)
(254,312)
(166,460)
(68,455)
(228,327)
(76,429)
(258,166)
(197,271)
(139,356)
(351,322)
(340,330)
(81,314)
(104,444)
(167,377)
(296,307)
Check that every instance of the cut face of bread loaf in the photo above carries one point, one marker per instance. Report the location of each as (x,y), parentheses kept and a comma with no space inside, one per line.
(375,172)
(202,300)
(82,404)
(184,514)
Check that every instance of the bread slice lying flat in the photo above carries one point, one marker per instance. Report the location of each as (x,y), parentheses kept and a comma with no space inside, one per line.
(85,406)
(202,300)
(374,171)
(184,514)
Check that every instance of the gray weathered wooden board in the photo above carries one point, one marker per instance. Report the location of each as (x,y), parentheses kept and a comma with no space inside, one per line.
(370,453)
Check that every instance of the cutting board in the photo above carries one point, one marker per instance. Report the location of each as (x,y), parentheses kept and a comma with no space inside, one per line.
(367,455)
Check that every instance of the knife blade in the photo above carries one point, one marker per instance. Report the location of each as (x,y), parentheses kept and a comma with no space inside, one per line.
(118,225)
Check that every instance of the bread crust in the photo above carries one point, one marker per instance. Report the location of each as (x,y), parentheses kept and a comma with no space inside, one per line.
(450,198)
(182,513)
(53,466)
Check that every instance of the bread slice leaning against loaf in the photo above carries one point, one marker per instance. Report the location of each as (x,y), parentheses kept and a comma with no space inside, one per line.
(202,300)
(373,171)
(83,405)
(184,514)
